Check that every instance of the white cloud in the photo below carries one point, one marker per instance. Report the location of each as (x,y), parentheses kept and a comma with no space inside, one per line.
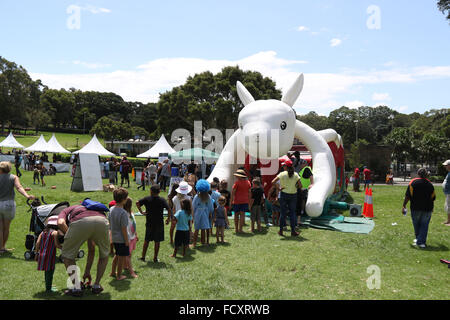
(302,28)
(354,104)
(95,10)
(335,42)
(91,65)
(381,97)
(322,92)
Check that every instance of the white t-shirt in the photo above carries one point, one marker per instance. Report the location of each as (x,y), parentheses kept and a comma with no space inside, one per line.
(177,201)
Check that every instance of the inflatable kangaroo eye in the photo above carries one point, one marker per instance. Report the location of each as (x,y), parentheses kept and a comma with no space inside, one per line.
(283,125)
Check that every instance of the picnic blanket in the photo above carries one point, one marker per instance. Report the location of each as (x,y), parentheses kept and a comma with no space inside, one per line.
(340,223)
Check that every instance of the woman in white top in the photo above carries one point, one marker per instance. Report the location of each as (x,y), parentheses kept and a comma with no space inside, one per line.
(8,182)
(182,193)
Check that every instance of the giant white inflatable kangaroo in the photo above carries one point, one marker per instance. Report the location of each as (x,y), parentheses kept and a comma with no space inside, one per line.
(270,126)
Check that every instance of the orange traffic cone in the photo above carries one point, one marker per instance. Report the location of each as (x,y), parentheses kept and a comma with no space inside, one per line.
(365,202)
(368,205)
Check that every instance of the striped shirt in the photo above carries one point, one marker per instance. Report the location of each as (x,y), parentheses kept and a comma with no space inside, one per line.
(47,252)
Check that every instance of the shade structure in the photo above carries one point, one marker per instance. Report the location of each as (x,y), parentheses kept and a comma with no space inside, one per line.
(94,146)
(53,146)
(162,146)
(11,142)
(39,146)
(194,154)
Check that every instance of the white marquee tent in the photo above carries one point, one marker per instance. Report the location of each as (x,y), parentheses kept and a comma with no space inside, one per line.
(162,146)
(94,146)
(54,146)
(39,146)
(11,142)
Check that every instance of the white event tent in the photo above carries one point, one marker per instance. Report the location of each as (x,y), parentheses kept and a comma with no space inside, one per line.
(95,147)
(11,142)
(39,146)
(54,146)
(162,146)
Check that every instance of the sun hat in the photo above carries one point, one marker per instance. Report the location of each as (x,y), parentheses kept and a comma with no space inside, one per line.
(240,173)
(184,188)
(446,163)
(202,185)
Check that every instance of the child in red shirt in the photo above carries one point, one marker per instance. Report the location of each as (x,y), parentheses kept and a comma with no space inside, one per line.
(240,198)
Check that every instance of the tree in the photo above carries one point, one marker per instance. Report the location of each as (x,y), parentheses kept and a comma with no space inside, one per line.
(15,91)
(444,5)
(354,156)
(108,128)
(210,98)
(60,105)
(315,121)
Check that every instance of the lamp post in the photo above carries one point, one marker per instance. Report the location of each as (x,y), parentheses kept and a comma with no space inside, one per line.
(84,121)
(356,123)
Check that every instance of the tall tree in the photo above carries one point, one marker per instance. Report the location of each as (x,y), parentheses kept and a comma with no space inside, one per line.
(444,5)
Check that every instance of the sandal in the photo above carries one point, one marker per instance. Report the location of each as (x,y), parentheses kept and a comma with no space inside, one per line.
(97,290)
(73,293)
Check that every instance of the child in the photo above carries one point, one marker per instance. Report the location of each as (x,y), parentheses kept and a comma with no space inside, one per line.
(256,202)
(46,255)
(203,209)
(183,222)
(132,235)
(274,195)
(118,223)
(224,192)
(221,219)
(215,195)
(143,180)
(154,226)
(42,171)
(170,198)
(240,197)
(181,192)
(36,174)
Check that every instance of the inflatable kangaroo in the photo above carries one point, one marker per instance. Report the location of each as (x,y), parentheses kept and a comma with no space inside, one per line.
(270,126)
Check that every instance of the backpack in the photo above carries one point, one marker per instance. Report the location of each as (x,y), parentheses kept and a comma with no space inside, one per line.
(94,205)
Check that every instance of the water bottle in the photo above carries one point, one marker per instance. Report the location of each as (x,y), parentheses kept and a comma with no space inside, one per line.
(404,211)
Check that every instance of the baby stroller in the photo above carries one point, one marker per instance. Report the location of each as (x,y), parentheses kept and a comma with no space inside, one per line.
(40,215)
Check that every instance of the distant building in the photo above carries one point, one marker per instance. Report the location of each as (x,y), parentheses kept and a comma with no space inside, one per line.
(131,147)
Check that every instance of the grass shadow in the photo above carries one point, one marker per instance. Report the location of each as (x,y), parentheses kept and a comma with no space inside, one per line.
(158,265)
(292,238)
(87,295)
(122,285)
(244,234)
(207,248)
(10,255)
(439,248)
(187,258)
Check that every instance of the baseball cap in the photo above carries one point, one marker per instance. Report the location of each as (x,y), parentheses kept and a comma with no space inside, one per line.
(446,163)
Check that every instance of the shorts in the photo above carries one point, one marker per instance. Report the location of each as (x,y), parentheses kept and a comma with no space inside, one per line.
(255,213)
(7,209)
(121,249)
(276,208)
(89,228)
(447,203)
(304,194)
(367,181)
(182,238)
(240,207)
(154,233)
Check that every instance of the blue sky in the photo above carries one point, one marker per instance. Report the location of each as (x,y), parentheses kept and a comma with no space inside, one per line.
(141,48)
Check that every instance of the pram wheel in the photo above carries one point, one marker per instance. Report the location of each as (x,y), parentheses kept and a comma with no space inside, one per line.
(80,254)
(28,255)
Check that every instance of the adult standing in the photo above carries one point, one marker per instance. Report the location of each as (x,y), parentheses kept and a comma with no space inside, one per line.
(165,175)
(446,188)
(421,193)
(126,170)
(356,179)
(192,167)
(289,182)
(152,170)
(307,180)
(17,162)
(80,225)
(8,182)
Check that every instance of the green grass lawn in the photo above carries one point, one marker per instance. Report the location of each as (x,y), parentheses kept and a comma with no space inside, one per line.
(317,265)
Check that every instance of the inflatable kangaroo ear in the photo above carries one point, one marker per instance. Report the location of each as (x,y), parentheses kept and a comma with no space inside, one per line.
(243,94)
(294,91)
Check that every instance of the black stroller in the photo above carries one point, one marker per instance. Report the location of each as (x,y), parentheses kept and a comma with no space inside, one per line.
(40,214)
